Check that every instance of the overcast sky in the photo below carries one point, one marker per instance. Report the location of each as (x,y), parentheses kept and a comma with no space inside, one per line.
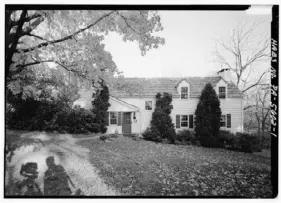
(190,37)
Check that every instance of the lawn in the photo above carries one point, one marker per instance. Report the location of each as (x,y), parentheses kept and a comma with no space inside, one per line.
(145,168)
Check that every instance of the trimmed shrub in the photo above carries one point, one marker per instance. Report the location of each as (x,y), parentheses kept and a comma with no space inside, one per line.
(185,137)
(226,137)
(208,113)
(210,142)
(100,106)
(76,120)
(248,143)
(152,134)
(161,125)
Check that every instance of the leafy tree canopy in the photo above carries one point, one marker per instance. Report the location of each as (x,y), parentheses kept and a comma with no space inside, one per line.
(47,51)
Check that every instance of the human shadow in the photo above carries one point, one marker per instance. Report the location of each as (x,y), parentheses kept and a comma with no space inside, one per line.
(56,179)
(28,186)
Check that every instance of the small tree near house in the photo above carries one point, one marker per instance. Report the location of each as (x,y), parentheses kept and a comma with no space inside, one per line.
(207,117)
(100,106)
(161,125)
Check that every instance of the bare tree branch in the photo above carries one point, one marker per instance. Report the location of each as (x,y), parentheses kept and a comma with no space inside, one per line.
(255,84)
(240,63)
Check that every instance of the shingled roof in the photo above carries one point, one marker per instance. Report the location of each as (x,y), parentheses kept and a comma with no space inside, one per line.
(151,86)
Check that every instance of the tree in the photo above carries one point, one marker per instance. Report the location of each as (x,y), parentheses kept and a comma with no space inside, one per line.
(242,52)
(259,111)
(66,47)
(208,113)
(100,106)
(161,123)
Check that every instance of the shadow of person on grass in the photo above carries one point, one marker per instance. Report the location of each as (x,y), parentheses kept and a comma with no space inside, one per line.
(28,187)
(56,179)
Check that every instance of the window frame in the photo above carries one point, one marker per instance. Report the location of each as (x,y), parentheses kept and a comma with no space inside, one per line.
(186,121)
(147,106)
(225,122)
(219,93)
(110,113)
(185,93)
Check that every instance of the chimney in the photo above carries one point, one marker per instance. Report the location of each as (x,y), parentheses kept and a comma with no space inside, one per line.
(225,74)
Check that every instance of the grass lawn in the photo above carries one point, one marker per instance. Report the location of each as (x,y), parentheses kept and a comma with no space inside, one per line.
(146,168)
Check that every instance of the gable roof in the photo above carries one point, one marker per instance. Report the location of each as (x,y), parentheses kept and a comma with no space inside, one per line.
(124,103)
(149,87)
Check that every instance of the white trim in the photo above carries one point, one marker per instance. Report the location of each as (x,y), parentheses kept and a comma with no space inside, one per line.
(109,118)
(151,105)
(225,91)
(188,92)
(225,120)
(124,103)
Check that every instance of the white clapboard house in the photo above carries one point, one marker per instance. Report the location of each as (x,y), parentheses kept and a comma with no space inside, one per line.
(131,113)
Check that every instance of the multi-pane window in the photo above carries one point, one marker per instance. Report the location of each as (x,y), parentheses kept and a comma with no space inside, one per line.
(223,121)
(184,93)
(113,118)
(222,93)
(184,120)
(148,105)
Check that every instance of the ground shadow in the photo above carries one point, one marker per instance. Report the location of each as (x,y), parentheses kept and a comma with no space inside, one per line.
(28,186)
(56,180)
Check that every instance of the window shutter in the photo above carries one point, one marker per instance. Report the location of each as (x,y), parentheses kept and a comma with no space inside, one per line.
(190,121)
(119,119)
(228,120)
(107,118)
(178,121)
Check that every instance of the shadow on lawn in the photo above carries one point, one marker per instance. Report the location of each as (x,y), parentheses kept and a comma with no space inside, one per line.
(56,180)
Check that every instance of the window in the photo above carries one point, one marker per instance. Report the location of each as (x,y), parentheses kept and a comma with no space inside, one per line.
(184,120)
(184,93)
(222,93)
(148,105)
(113,118)
(223,121)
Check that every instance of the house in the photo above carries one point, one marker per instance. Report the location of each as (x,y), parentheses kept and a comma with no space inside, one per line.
(132,112)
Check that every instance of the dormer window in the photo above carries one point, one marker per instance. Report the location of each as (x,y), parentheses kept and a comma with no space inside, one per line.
(222,92)
(184,92)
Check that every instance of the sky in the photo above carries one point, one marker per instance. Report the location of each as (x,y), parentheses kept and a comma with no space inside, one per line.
(190,41)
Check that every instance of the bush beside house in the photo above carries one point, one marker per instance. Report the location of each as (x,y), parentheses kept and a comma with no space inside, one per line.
(100,105)
(56,114)
(161,125)
(207,118)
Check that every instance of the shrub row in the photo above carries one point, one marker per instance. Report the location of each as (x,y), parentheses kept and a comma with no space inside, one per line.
(49,116)
(239,142)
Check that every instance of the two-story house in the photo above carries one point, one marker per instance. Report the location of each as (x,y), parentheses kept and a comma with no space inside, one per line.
(132,113)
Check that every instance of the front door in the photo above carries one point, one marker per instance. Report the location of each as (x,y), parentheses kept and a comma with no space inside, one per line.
(126,125)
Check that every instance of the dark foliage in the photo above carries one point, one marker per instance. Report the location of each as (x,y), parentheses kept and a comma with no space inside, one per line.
(30,114)
(76,120)
(161,125)
(226,137)
(100,106)
(152,134)
(248,143)
(207,116)
(239,142)
(185,137)
(210,142)
(208,113)
(48,115)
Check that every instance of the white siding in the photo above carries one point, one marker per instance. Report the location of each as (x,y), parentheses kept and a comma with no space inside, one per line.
(234,107)
(231,106)
(145,115)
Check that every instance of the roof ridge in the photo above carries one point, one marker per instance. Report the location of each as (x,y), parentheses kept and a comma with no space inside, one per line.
(172,77)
